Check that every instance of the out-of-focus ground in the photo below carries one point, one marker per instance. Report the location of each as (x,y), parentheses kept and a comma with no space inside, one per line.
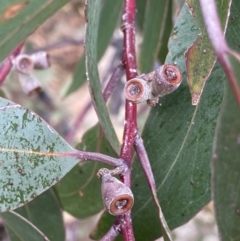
(62,111)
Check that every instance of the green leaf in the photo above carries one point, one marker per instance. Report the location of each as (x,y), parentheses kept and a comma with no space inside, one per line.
(140,14)
(226,166)
(153,31)
(19,18)
(168,26)
(43,212)
(107,23)
(32,156)
(79,192)
(200,57)
(20,229)
(93,13)
(178,138)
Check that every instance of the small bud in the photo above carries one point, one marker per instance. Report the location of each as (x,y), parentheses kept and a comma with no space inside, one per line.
(117,197)
(23,63)
(166,79)
(29,83)
(40,60)
(137,90)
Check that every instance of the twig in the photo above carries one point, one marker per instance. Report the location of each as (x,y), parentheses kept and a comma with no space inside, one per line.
(57,45)
(145,163)
(95,156)
(7,64)
(117,74)
(130,64)
(111,234)
(220,46)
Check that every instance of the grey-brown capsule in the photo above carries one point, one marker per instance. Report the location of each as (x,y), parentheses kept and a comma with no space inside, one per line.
(23,63)
(29,83)
(149,87)
(137,90)
(117,197)
(40,60)
(165,80)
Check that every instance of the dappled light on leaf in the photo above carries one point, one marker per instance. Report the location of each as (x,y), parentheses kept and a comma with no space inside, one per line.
(31,156)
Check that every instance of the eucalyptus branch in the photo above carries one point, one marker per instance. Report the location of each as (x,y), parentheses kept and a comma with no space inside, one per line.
(95,156)
(130,64)
(7,64)
(57,45)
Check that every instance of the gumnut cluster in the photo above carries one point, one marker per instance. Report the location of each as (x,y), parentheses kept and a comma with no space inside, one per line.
(24,65)
(149,87)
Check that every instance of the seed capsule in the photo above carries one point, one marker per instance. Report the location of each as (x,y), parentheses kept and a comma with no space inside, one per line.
(117,197)
(149,87)
(166,79)
(29,83)
(137,90)
(40,60)
(23,63)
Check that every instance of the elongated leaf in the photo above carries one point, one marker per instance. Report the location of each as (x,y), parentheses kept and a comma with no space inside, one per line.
(21,229)
(107,23)
(178,138)
(93,13)
(79,192)
(31,156)
(167,30)
(226,165)
(200,57)
(43,212)
(154,26)
(140,14)
(19,18)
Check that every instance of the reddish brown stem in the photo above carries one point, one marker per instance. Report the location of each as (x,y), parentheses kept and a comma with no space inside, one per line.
(7,64)
(130,64)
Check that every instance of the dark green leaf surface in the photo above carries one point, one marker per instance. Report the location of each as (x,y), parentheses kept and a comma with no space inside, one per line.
(168,26)
(79,192)
(30,156)
(20,229)
(19,18)
(107,23)
(153,31)
(226,165)
(200,57)
(140,14)
(43,212)
(93,13)
(178,138)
